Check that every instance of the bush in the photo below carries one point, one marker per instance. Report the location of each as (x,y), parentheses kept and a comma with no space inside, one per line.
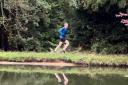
(107,48)
(32,45)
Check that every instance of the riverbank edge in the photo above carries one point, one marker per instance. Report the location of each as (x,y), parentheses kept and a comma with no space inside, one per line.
(60,63)
(77,59)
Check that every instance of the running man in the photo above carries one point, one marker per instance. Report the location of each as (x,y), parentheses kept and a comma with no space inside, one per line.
(62,36)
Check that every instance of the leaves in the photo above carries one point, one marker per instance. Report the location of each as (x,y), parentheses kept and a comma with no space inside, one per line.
(91,23)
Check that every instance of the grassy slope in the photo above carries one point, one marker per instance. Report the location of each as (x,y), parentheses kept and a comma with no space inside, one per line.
(73,57)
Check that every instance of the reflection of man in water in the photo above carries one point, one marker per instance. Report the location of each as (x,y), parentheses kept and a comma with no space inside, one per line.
(60,81)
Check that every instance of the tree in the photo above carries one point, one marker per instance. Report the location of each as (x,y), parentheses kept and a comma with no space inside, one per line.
(32,25)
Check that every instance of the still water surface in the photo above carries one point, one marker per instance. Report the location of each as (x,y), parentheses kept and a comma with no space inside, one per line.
(38,78)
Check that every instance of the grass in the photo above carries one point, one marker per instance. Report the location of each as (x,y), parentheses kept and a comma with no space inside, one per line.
(73,57)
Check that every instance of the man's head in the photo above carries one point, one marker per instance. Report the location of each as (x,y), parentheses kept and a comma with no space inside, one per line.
(66,25)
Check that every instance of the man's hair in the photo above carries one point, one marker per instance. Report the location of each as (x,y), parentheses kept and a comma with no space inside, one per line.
(65,23)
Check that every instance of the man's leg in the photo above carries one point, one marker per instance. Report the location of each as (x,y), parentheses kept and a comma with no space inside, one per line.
(58,46)
(58,77)
(65,79)
(66,45)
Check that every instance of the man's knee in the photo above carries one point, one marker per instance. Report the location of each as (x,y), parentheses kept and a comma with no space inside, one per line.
(60,43)
(67,42)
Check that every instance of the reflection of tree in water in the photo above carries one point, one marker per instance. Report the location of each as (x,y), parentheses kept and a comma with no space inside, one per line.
(12,78)
(63,80)
(18,78)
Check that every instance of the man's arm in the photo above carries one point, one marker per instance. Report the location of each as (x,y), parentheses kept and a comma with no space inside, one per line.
(60,30)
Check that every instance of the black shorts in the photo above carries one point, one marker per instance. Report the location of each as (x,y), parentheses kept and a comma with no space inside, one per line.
(62,39)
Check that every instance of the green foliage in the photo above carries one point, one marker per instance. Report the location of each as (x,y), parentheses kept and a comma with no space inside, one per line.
(32,45)
(95,5)
(106,48)
(92,23)
(98,28)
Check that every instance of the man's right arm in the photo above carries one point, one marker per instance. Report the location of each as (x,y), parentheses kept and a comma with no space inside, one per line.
(60,30)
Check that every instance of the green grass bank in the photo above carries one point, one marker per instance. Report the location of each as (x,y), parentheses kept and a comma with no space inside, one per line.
(78,58)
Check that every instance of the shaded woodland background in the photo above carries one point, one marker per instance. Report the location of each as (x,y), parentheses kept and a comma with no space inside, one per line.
(32,25)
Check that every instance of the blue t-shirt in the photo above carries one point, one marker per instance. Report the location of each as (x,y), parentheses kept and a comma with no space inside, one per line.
(63,31)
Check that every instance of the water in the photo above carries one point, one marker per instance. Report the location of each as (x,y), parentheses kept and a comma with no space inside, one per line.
(20,75)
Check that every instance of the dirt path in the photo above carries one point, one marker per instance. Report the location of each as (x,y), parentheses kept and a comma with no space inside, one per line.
(61,63)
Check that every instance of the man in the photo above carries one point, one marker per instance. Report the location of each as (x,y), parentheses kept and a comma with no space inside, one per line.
(62,35)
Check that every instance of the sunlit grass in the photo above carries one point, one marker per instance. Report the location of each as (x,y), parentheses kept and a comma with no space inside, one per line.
(71,56)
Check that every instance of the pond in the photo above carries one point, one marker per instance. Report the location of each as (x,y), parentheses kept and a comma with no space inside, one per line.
(37,75)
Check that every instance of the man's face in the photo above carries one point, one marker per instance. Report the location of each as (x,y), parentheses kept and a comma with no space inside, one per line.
(65,25)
